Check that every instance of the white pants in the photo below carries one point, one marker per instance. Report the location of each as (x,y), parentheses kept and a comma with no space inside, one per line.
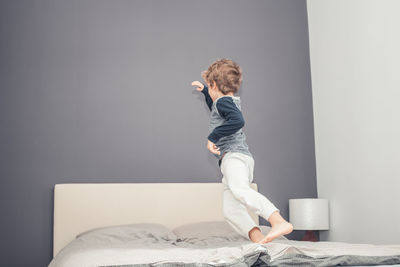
(237,169)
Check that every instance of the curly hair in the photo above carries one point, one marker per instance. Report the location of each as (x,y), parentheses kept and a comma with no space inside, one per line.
(225,73)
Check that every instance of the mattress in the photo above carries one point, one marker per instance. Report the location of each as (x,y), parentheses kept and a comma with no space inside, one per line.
(132,246)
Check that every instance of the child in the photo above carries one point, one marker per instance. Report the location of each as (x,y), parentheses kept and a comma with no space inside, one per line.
(228,143)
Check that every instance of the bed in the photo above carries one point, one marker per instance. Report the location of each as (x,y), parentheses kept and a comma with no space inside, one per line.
(178,224)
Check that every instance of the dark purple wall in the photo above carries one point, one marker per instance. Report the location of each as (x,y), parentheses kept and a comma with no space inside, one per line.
(100,91)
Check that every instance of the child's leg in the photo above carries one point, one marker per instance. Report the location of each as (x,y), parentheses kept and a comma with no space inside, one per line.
(238,174)
(238,169)
(236,214)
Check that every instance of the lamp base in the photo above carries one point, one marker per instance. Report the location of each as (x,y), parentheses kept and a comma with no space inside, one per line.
(309,236)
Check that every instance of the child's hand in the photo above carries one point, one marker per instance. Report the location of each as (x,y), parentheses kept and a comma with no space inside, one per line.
(199,85)
(213,148)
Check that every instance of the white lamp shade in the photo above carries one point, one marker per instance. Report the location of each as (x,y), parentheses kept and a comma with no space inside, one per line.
(309,213)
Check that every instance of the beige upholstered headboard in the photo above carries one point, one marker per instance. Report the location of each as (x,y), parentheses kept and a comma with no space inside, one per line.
(80,207)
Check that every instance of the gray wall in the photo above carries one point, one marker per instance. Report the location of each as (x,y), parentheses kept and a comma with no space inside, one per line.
(100,91)
(357,116)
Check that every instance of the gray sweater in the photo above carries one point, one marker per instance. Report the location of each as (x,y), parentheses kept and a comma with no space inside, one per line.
(226,123)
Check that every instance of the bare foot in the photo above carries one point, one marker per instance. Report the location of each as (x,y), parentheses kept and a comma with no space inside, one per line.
(255,235)
(278,229)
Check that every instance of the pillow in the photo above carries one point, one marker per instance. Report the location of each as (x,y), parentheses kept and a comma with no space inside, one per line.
(212,229)
(206,230)
(132,231)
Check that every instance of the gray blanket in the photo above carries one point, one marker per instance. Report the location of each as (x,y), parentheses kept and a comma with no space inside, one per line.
(341,260)
(117,249)
(262,258)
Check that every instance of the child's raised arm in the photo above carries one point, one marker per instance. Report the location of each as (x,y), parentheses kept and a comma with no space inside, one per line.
(204,89)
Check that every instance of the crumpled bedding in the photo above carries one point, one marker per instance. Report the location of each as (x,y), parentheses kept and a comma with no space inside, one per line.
(119,251)
(327,253)
(145,249)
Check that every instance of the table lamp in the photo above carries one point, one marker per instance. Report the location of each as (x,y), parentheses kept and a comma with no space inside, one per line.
(309,214)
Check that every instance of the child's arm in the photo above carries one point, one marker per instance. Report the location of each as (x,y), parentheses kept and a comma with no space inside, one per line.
(208,97)
(233,119)
(204,89)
